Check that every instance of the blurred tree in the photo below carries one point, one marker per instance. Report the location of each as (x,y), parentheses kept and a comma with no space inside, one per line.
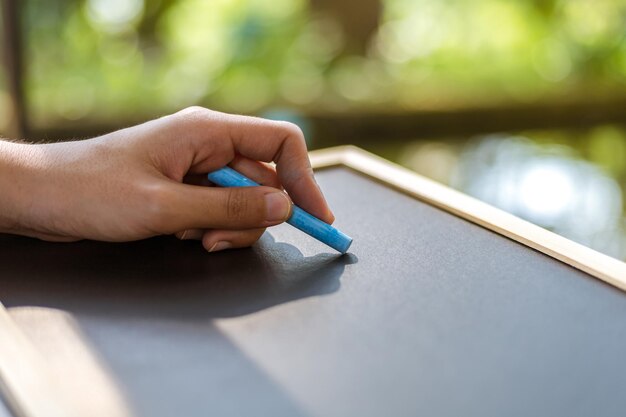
(106,59)
(12,60)
(359,20)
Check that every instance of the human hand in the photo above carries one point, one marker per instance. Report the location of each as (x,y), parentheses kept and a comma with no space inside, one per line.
(148,180)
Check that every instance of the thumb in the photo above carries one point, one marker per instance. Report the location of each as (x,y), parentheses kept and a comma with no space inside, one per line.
(197,207)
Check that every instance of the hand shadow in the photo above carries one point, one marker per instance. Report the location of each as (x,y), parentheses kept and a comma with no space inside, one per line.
(173,359)
(162,276)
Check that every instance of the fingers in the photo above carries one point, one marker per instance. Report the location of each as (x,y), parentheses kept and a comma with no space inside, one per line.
(217,240)
(189,207)
(223,136)
(190,234)
(256,171)
(284,144)
(259,172)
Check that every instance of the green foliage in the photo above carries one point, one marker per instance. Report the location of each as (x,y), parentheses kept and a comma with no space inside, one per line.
(107,59)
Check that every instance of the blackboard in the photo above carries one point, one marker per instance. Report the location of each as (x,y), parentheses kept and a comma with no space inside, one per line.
(428,314)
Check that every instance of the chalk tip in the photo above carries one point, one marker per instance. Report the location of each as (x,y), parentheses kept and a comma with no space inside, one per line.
(346,245)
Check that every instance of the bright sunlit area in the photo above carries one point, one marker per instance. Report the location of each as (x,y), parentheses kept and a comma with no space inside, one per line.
(569,182)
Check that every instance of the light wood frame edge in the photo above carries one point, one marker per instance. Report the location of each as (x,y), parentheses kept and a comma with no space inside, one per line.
(596,264)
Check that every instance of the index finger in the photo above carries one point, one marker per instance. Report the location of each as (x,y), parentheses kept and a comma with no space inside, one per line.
(269,141)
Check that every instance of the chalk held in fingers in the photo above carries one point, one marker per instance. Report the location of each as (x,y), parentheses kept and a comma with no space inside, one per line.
(300,219)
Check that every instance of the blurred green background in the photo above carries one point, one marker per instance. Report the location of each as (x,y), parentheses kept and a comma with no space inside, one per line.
(521,103)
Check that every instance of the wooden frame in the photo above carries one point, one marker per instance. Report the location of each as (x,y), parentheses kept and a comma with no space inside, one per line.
(603,267)
(28,384)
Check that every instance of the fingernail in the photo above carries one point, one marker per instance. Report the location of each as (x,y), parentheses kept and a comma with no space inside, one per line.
(221,245)
(277,206)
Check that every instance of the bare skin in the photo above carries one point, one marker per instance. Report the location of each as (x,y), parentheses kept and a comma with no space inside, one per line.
(146,181)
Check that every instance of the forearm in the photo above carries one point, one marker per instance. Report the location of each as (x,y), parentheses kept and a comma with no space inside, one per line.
(12,171)
(45,188)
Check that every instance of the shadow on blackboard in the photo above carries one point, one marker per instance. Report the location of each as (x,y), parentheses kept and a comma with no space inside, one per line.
(162,276)
(155,300)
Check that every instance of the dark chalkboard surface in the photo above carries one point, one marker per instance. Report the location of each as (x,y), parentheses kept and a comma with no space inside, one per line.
(428,315)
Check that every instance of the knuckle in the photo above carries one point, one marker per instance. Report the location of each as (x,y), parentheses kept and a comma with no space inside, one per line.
(292,130)
(194,117)
(194,110)
(293,136)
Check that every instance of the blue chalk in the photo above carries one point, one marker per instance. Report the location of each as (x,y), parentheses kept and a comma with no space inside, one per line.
(300,219)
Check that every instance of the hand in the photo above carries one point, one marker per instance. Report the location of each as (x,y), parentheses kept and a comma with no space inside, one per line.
(148,180)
